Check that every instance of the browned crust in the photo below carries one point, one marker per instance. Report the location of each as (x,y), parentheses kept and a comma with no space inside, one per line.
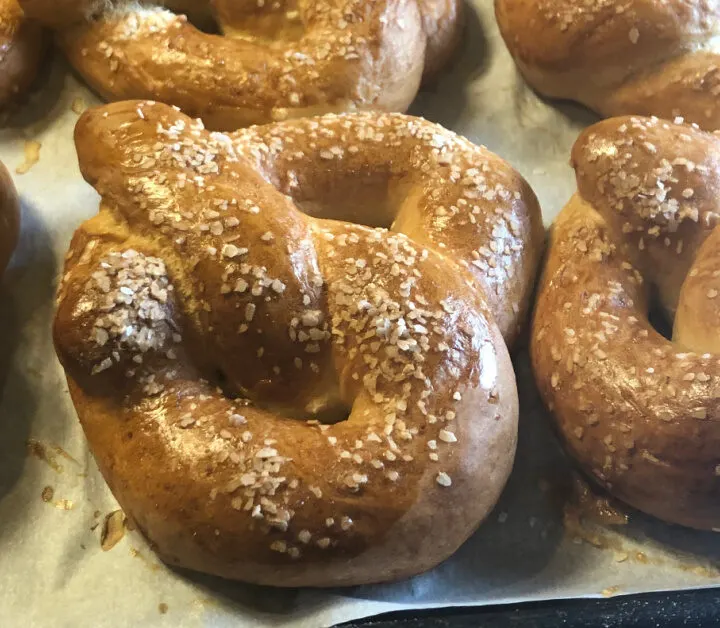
(443,23)
(638,412)
(169,464)
(280,61)
(9,217)
(22,45)
(639,57)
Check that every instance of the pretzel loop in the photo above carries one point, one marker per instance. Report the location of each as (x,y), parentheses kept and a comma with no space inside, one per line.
(269,392)
(638,411)
(644,57)
(273,61)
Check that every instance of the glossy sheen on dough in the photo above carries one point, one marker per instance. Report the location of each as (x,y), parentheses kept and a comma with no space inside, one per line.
(275,61)
(619,57)
(21,51)
(201,265)
(9,217)
(638,412)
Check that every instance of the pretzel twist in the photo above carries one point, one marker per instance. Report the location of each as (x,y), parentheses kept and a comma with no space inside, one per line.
(638,411)
(619,57)
(276,60)
(213,335)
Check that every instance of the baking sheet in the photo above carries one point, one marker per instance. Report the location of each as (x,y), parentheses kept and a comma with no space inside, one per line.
(53,501)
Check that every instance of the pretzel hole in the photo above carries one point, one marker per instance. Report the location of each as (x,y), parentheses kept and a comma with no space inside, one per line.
(273,21)
(328,409)
(659,319)
(267,27)
(222,381)
(330,414)
(371,199)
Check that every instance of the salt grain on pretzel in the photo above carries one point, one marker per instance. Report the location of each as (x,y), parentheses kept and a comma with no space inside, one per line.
(636,410)
(331,405)
(276,60)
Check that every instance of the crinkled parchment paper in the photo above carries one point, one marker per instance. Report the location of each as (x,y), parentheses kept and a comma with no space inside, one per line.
(61,564)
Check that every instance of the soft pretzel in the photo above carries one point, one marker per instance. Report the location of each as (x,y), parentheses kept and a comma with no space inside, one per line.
(9,217)
(646,57)
(21,51)
(638,411)
(214,335)
(277,60)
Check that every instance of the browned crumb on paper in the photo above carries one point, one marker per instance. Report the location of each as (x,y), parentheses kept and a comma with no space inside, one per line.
(32,156)
(587,505)
(136,553)
(587,515)
(47,494)
(64,454)
(113,530)
(49,454)
(78,106)
(43,452)
(163,608)
(610,591)
(64,504)
(701,570)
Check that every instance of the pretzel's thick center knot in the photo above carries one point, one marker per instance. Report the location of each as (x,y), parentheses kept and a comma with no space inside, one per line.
(304,315)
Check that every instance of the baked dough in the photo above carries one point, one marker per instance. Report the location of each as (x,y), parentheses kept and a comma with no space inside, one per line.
(276,60)
(636,410)
(273,391)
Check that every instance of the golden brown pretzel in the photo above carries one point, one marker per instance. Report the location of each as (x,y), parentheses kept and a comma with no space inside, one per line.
(443,22)
(276,61)
(638,411)
(619,57)
(200,271)
(9,217)
(21,50)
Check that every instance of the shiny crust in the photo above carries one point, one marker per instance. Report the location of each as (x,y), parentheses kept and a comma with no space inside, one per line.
(642,57)
(279,61)
(21,51)
(9,217)
(637,411)
(306,316)
(443,22)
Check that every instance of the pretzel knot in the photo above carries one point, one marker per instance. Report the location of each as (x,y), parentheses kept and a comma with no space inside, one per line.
(271,391)
(636,410)
(275,60)
(620,57)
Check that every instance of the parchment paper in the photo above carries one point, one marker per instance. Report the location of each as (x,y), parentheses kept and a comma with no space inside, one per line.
(53,571)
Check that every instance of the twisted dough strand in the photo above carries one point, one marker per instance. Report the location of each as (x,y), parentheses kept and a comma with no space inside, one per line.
(639,412)
(206,325)
(275,61)
(619,57)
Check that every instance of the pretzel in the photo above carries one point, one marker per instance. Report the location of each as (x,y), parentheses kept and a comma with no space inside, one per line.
(636,410)
(288,398)
(278,60)
(21,51)
(644,57)
(9,217)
